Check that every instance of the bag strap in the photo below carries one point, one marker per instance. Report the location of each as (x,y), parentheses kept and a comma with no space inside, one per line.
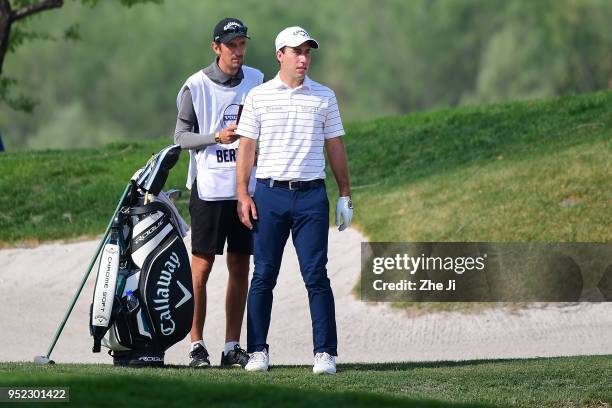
(149,208)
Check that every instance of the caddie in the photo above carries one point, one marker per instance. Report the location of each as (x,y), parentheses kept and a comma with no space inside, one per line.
(293,118)
(208,107)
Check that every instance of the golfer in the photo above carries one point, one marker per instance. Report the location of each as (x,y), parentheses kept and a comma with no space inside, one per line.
(293,118)
(208,106)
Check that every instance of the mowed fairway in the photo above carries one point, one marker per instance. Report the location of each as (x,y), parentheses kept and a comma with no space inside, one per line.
(553,382)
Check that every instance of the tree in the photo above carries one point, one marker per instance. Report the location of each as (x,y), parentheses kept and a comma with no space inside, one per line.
(12,12)
(546,48)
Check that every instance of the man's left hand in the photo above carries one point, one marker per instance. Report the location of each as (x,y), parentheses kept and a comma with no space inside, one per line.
(344,211)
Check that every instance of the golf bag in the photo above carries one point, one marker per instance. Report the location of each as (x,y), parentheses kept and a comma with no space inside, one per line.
(143,298)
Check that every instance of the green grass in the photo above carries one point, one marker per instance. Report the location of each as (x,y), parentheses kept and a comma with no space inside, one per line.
(522,171)
(563,195)
(556,382)
(71,193)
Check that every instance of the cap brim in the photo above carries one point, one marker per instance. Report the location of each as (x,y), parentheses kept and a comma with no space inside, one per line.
(230,36)
(313,43)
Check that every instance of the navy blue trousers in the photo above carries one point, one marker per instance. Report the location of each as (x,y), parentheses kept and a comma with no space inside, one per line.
(304,213)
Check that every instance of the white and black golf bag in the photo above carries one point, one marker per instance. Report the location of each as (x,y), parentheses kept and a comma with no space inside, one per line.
(143,299)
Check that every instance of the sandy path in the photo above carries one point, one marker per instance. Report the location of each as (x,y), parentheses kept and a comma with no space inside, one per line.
(37,284)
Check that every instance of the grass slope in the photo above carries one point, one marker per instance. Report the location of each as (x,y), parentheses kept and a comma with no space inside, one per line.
(570,381)
(70,193)
(523,171)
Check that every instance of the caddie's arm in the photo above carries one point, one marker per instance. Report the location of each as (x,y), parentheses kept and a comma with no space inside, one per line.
(244,166)
(227,135)
(186,122)
(336,154)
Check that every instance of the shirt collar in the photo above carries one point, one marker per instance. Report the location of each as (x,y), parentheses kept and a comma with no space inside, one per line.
(214,73)
(279,84)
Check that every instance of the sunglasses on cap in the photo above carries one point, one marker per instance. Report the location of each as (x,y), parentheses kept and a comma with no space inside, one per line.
(233,29)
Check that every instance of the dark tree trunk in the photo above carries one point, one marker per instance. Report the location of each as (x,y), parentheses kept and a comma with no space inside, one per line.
(5,29)
(9,16)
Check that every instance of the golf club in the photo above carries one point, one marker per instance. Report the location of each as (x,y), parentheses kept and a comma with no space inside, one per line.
(46,359)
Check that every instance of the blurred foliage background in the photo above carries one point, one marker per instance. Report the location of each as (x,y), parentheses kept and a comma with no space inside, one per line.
(119,80)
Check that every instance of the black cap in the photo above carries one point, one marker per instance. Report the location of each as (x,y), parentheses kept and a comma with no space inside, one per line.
(228,29)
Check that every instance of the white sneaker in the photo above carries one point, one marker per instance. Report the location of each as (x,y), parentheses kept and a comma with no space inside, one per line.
(324,363)
(258,361)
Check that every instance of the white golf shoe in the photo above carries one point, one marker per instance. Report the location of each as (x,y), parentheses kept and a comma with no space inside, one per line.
(258,361)
(324,363)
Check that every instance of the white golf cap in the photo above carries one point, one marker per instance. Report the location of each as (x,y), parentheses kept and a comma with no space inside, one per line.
(294,36)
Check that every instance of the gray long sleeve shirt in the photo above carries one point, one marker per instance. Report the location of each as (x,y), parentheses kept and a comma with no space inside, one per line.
(186,132)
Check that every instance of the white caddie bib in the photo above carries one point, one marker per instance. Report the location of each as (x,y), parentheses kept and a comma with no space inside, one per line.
(216,108)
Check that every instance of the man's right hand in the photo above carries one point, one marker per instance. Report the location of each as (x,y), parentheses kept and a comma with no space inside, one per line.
(228,135)
(246,210)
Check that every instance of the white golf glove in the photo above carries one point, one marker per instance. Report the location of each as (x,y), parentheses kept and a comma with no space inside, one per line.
(344,211)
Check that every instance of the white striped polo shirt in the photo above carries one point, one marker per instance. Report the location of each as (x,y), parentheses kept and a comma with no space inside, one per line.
(291,126)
